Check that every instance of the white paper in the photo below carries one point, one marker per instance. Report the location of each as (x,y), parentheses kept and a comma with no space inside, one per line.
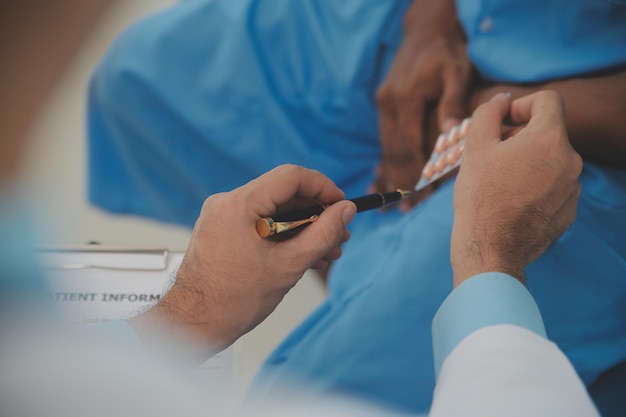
(93,284)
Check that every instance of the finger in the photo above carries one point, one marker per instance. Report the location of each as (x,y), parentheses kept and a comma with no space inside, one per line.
(570,208)
(538,109)
(378,186)
(400,119)
(411,130)
(486,125)
(452,106)
(544,116)
(346,236)
(321,265)
(509,132)
(320,238)
(333,255)
(387,121)
(572,205)
(403,170)
(410,127)
(576,163)
(412,112)
(287,182)
(327,260)
(390,147)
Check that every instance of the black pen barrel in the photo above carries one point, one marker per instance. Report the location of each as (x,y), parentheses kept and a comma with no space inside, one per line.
(367,202)
(374,201)
(299,214)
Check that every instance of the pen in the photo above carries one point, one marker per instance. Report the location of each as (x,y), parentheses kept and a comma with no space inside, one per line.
(268,226)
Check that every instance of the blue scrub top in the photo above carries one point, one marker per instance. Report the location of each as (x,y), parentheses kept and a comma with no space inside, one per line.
(208,94)
(539,40)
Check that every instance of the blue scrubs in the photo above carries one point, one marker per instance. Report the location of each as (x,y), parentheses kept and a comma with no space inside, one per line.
(205,96)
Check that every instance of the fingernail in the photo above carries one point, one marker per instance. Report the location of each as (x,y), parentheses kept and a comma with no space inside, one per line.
(501,96)
(348,213)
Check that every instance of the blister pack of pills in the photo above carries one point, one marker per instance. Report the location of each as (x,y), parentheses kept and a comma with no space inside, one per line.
(446,155)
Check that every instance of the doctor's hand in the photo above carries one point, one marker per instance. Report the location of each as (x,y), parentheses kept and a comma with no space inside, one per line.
(430,68)
(513,198)
(231,279)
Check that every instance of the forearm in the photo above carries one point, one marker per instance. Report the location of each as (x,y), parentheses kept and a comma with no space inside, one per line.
(595,112)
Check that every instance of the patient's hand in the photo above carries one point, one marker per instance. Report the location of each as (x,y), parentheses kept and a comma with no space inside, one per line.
(231,279)
(513,198)
(431,67)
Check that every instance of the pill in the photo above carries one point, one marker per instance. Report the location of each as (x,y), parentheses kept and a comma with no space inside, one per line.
(453,136)
(428,170)
(465,125)
(440,165)
(440,145)
(452,157)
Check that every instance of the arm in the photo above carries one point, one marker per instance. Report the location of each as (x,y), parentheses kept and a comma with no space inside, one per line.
(512,199)
(595,112)
(431,67)
(231,279)
(497,358)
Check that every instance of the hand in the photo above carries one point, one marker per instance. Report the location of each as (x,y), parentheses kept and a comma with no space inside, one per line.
(231,279)
(513,198)
(431,66)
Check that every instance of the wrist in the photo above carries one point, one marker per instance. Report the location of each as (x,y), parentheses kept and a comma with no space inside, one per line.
(431,16)
(474,257)
(184,320)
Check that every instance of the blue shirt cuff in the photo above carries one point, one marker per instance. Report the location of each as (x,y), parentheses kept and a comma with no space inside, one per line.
(484,300)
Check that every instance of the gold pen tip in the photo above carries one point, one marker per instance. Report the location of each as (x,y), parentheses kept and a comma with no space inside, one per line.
(404,193)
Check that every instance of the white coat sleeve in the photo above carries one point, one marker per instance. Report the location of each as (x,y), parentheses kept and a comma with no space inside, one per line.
(493,359)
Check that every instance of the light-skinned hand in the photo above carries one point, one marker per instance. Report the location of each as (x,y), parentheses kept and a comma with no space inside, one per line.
(513,198)
(231,279)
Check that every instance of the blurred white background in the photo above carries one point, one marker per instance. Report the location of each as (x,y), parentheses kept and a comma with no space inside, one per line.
(55,177)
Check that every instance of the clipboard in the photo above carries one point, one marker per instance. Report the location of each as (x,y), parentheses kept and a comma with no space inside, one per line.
(94,283)
(113,258)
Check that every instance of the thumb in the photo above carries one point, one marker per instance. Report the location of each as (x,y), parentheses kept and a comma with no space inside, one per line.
(451,108)
(315,241)
(487,120)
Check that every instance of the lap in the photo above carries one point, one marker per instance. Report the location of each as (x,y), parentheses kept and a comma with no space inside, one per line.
(372,336)
(207,95)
